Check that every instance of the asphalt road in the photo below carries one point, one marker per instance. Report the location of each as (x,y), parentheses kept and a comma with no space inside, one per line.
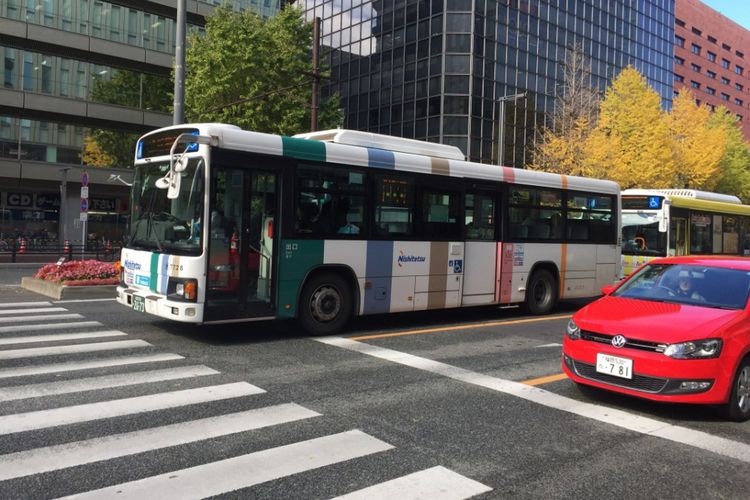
(446,404)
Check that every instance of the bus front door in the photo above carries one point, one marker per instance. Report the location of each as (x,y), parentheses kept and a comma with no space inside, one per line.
(241,245)
(678,237)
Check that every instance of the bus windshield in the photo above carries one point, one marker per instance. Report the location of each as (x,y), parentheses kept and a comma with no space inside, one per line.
(164,225)
(641,236)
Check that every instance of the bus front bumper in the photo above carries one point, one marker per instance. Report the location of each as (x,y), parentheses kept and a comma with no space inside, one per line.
(158,305)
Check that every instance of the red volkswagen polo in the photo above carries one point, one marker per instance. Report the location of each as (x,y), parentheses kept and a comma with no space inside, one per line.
(677,330)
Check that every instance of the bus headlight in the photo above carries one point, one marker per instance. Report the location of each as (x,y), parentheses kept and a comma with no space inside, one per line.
(183,289)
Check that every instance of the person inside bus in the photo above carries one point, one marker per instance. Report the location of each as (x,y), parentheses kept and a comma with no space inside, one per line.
(686,288)
(342,218)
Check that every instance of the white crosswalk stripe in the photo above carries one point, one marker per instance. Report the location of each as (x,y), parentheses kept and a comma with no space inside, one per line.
(436,483)
(41,317)
(32,311)
(60,336)
(24,304)
(21,422)
(33,352)
(247,470)
(71,366)
(102,382)
(48,326)
(63,456)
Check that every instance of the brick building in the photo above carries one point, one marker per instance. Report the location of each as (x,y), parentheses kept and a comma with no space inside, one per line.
(712,57)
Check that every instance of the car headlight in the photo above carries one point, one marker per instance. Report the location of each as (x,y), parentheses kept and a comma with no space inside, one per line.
(574,333)
(696,349)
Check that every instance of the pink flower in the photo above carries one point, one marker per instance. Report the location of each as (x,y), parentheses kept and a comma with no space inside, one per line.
(79,273)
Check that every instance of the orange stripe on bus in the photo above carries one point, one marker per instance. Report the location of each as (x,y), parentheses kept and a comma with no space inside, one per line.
(462,327)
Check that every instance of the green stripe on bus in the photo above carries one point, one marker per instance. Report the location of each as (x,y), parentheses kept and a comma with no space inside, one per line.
(153,281)
(296,259)
(304,149)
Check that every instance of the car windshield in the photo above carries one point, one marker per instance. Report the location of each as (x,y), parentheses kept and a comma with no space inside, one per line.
(703,286)
(162,224)
(641,236)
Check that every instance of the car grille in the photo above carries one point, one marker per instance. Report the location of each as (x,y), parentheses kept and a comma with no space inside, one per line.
(641,345)
(637,383)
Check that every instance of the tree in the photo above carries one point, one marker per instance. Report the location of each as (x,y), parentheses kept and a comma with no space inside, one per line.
(559,148)
(112,148)
(254,73)
(697,145)
(631,143)
(734,166)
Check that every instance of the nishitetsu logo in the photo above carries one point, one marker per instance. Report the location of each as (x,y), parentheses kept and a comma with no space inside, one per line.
(405,259)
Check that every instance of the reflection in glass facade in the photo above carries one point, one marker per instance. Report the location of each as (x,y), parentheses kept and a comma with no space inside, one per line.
(438,69)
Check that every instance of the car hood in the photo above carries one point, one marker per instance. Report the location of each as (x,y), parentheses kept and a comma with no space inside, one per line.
(653,321)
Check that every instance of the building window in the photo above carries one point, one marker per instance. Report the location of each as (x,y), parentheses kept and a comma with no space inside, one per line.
(695,84)
(710,74)
(740,54)
(679,22)
(739,117)
(738,102)
(679,78)
(724,80)
(695,67)
(695,48)
(710,91)
(679,60)
(679,41)
(725,63)
(697,31)
(711,56)
(739,70)
(738,86)
(711,39)
(724,97)
(725,46)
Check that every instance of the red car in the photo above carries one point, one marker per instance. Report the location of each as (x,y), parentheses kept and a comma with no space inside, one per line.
(677,330)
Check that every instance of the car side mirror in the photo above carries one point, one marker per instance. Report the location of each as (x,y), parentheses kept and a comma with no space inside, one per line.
(607,289)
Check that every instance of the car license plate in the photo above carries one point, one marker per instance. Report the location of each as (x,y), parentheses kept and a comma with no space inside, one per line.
(614,365)
(139,303)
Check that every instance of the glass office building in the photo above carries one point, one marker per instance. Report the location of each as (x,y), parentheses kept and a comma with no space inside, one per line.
(445,70)
(58,57)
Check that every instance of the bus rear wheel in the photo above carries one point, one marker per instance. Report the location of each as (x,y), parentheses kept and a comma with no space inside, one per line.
(541,292)
(325,304)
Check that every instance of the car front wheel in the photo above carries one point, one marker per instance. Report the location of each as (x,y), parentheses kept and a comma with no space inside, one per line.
(738,406)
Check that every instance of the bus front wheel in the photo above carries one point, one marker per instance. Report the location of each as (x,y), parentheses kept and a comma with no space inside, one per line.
(325,304)
(541,292)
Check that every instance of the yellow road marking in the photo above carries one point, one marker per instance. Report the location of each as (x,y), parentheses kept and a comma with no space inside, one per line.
(545,380)
(462,327)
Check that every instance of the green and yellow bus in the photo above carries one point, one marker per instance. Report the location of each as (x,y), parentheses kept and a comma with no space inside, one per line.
(661,222)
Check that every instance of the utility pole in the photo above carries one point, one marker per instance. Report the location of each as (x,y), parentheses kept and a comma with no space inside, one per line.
(179,64)
(501,136)
(315,75)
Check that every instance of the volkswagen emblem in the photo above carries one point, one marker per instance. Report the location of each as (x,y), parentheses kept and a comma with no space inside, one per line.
(619,341)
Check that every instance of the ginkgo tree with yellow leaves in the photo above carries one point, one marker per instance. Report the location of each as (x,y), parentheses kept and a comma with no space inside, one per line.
(637,144)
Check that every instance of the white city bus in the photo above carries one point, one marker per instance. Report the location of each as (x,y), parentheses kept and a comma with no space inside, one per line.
(661,222)
(231,225)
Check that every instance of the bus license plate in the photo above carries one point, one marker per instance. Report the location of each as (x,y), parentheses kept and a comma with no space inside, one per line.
(614,365)
(139,303)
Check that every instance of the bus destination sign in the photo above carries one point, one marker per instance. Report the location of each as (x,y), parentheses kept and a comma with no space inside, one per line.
(160,143)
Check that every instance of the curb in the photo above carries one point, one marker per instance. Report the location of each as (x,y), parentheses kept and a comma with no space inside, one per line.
(64,292)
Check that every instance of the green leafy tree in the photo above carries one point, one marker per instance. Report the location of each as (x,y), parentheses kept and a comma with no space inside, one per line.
(734,166)
(254,73)
(631,143)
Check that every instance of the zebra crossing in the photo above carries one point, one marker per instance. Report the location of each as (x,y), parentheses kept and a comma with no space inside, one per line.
(48,353)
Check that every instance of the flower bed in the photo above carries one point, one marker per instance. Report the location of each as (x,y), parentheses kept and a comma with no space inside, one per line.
(79,273)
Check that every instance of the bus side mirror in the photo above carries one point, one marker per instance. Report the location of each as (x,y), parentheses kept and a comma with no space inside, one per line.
(608,289)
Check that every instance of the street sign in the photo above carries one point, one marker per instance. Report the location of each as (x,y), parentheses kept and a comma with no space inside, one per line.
(84,192)
(85,178)
(84,216)
(84,205)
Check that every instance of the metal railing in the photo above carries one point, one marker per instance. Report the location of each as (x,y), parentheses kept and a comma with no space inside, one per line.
(22,250)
